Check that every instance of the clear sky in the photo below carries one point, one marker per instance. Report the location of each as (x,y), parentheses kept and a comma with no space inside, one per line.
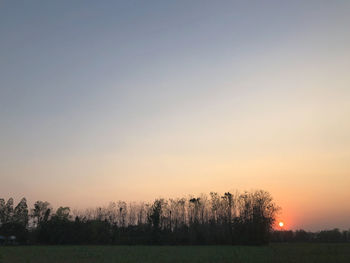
(133,100)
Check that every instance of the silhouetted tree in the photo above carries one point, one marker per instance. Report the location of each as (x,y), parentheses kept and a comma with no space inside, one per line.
(20,215)
(154,219)
(41,212)
(2,211)
(245,218)
(8,211)
(62,213)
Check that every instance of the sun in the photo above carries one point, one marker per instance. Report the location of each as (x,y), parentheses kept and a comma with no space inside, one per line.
(281,224)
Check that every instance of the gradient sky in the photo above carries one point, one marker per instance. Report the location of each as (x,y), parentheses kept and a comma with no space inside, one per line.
(133,100)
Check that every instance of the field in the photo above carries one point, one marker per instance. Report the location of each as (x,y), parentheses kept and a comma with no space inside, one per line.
(330,253)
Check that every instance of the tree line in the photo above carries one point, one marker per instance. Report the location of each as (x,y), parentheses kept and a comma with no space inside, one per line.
(333,235)
(231,218)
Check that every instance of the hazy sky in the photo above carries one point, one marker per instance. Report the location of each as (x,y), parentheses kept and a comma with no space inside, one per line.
(133,100)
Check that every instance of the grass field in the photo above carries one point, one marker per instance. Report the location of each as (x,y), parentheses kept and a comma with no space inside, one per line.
(330,253)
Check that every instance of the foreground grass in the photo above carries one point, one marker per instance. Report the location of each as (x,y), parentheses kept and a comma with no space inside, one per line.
(330,253)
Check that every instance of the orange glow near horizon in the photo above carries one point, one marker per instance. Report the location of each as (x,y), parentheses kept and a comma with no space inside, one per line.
(281,224)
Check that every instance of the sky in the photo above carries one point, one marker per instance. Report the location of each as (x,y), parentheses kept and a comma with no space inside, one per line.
(133,100)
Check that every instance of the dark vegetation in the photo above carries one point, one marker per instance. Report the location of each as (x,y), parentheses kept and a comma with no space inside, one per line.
(273,253)
(325,236)
(245,218)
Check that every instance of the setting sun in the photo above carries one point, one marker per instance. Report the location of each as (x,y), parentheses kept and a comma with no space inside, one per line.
(197,131)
